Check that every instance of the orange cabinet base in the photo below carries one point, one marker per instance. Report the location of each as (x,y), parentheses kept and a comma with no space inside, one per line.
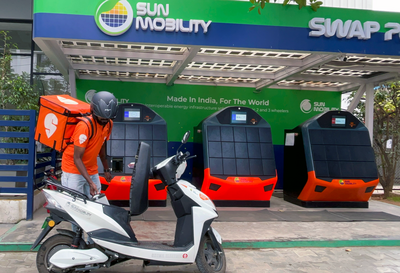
(338,193)
(117,191)
(238,191)
(325,204)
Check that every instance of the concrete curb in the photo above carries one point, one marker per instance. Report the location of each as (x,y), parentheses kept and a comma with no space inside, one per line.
(14,207)
(25,247)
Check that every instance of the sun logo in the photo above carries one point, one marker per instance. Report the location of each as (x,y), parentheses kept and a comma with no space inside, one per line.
(89,95)
(114,17)
(305,106)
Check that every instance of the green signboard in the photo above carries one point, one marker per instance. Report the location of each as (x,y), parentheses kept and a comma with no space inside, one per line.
(222,11)
(185,106)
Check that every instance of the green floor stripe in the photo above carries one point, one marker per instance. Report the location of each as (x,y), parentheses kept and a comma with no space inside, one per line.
(288,244)
(8,232)
(23,247)
(16,247)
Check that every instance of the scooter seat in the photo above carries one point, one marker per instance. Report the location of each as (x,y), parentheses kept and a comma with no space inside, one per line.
(139,196)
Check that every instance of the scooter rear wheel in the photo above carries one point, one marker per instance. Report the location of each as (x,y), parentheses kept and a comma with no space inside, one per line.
(209,259)
(47,249)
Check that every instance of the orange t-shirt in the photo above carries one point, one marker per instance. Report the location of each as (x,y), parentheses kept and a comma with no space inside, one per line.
(92,147)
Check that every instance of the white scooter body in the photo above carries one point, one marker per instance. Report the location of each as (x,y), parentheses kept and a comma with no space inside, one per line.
(91,217)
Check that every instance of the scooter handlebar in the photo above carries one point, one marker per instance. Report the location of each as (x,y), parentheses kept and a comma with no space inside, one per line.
(183,157)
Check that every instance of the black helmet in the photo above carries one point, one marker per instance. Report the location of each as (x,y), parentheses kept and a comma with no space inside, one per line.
(104,105)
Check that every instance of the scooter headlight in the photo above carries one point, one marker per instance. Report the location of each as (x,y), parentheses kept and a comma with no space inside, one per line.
(52,203)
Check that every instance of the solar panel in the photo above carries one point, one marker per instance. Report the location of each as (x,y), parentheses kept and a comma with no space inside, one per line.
(240,151)
(341,154)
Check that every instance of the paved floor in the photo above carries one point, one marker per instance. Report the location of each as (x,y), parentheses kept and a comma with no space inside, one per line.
(253,245)
(239,225)
(310,260)
(4,228)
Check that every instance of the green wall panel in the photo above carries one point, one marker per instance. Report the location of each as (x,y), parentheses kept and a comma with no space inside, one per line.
(185,106)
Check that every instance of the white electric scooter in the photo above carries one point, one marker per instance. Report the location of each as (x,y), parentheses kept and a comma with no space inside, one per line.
(109,226)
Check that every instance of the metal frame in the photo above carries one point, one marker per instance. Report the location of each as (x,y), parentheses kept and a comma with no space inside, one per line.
(238,67)
(30,157)
(258,69)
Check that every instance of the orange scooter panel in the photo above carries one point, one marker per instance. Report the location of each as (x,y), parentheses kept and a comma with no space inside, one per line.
(119,188)
(339,190)
(238,188)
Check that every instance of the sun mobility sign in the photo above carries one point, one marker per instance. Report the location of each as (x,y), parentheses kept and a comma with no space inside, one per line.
(115,17)
(350,29)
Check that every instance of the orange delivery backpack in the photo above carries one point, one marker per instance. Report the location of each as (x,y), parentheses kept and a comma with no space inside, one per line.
(58,116)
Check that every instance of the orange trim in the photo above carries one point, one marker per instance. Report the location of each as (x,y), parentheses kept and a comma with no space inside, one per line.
(350,190)
(238,188)
(120,186)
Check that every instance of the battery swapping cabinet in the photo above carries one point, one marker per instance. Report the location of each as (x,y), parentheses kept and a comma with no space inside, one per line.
(134,123)
(329,162)
(237,166)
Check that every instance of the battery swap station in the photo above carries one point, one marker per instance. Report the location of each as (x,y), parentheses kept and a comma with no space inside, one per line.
(329,162)
(237,166)
(134,123)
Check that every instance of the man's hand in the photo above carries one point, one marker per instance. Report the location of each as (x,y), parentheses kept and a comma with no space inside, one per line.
(108,176)
(78,154)
(93,188)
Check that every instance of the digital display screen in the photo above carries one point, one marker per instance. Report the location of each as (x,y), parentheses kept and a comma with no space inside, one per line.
(131,114)
(338,121)
(239,117)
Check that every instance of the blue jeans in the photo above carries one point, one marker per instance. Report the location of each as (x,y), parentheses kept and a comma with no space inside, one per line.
(78,182)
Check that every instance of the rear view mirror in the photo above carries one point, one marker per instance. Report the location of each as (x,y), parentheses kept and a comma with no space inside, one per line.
(185,137)
(184,140)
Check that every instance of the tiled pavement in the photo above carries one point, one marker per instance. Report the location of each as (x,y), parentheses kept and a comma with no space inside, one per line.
(238,225)
(310,260)
(252,244)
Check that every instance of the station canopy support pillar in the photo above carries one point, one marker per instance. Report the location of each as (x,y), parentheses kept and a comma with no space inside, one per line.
(369,110)
(72,84)
(369,106)
(356,99)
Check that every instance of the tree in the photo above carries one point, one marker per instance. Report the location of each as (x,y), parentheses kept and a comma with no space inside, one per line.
(386,129)
(260,4)
(15,92)
(52,83)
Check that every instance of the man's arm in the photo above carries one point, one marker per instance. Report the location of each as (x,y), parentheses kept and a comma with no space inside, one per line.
(103,158)
(78,155)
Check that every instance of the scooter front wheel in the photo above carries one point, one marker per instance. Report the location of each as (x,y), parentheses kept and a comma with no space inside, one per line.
(209,259)
(48,249)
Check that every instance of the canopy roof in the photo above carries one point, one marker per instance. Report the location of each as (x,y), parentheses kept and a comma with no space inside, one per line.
(330,63)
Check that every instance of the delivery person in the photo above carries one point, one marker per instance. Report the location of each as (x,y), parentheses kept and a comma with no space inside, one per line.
(79,160)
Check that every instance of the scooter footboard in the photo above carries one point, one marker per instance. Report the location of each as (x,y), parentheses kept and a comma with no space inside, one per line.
(153,252)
